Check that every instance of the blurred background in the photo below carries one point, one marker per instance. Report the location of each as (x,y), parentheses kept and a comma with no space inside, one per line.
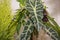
(53,9)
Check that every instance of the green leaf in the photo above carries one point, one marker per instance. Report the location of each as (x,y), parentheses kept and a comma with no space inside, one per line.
(55,26)
(28,29)
(35,8)
(22,2)
(51,32)
(20,19)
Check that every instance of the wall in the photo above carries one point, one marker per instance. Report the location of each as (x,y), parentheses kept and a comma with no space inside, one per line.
(53,9)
